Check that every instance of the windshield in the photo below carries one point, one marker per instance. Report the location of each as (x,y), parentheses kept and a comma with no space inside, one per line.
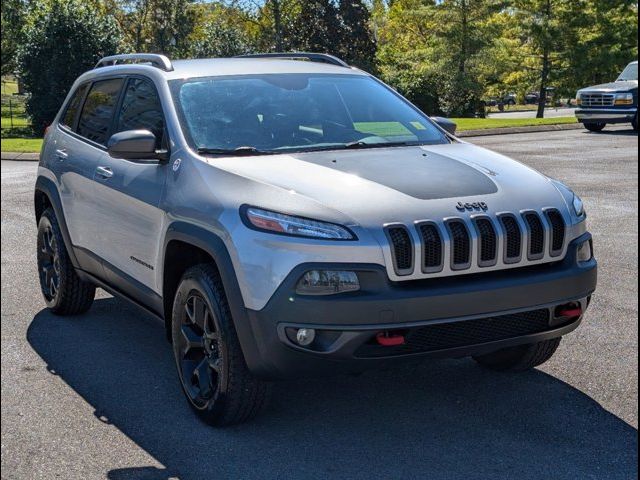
(297,112)
(629,73)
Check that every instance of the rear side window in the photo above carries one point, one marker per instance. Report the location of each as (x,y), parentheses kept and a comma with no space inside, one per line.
(141,109)
(97,113)
(69,117)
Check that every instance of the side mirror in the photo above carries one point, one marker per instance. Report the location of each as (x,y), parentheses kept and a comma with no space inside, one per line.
(135,145)
(446,124)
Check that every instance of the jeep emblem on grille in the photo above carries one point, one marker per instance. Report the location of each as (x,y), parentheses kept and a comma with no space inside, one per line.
(475,206)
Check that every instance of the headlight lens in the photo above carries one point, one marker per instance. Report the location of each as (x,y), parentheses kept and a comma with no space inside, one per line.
(289,225)
(327,282)
(624,99)
(578,205)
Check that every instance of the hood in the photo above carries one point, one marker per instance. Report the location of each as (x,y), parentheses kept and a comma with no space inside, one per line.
(401,184)
(613,87)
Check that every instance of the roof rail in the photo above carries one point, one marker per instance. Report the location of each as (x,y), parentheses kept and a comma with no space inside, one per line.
(312,57)
(156,60)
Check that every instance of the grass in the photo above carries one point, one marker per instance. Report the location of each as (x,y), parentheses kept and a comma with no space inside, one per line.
(32,145)
(484,123)
(9,85)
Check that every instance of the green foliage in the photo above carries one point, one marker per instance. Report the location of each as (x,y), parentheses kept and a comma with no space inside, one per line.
(220,39)
(357,45)
(67,38)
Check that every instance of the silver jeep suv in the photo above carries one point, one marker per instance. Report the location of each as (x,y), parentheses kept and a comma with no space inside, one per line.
(288,215)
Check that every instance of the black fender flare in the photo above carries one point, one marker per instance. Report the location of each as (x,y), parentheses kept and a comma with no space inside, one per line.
(213,245)
(47,187)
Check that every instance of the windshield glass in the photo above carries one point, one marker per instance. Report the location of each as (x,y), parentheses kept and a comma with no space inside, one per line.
(629,73)
(297,112)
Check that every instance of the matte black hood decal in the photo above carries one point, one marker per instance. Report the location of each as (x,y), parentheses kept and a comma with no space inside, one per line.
(427,176)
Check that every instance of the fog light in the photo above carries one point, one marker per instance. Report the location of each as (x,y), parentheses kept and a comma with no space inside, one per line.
(585,252)
(327,282)
(305,336)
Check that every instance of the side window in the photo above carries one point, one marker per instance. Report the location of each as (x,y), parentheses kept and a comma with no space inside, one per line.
(69,118)
(97,113)
(141,109)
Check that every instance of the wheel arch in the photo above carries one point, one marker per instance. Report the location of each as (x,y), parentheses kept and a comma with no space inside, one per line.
(186,245)
(46,195)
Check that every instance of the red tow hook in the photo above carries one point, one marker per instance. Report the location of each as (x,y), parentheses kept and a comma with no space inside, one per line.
(569,311)
(388,339)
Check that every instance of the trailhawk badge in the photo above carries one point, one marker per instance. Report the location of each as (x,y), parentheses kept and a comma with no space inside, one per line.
(472,207)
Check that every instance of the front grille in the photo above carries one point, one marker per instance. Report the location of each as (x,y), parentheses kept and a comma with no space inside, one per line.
(402,249)
(461,249)
(431,247)
(488,241)
(557,231)
(456,244)
(513,238)
(443,336)
(597,99)
(536,235)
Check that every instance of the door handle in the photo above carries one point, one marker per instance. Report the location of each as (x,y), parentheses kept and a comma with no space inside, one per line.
(62,154)
(104,172)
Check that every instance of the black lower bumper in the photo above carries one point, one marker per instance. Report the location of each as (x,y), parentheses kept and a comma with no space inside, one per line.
(459,316)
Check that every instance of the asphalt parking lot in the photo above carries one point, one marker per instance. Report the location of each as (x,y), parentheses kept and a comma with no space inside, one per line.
(97,396)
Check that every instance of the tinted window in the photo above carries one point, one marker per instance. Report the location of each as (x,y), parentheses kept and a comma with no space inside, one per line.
(141,109)
(69,117)
(97,113)
(297,112)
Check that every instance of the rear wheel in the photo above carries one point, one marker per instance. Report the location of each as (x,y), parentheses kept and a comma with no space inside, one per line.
(595,127)
(520,358)
(63,291)
(211,366)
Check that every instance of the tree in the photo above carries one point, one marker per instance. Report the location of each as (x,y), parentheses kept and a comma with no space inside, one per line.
(14,13)
(317,28)
(357,43)
(68,38)
(219,39)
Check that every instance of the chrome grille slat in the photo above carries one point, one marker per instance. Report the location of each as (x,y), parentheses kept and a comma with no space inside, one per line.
(454,244)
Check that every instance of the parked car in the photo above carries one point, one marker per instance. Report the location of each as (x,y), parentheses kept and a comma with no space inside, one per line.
(533,97)
(615,102)
(286,215)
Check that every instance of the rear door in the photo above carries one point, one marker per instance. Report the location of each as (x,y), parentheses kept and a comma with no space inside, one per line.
(128,194)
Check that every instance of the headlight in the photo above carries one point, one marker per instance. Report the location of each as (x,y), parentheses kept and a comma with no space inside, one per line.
(578,205)
(624,99)
(578,98)
(275,222)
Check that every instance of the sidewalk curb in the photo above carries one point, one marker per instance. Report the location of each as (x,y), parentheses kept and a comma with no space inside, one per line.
(20,156)
(513,130)
(34,157)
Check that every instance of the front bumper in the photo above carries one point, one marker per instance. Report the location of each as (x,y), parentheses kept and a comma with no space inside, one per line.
(610,115)
(347,323)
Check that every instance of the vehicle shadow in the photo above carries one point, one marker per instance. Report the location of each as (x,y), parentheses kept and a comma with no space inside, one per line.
(618,133)
(437,420)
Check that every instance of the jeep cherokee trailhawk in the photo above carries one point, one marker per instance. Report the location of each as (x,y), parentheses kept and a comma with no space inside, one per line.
(288,215)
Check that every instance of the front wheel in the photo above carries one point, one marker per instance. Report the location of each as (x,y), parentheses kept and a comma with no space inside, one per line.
(634,123)
(520,358)
(212,369)
(595,127)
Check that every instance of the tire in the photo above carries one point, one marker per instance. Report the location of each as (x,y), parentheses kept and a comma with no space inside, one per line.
(634,123)
(63,291)
(205,345)
(595,127)
(520,358)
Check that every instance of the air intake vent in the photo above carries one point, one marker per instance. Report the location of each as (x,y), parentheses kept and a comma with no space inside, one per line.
(488,248)
(431,247)
(557,232)
(401,249)
(536,236)
(513,239)
(460,245)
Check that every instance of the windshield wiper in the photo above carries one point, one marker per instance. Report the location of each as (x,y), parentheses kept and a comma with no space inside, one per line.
(360,144)
(239,151)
